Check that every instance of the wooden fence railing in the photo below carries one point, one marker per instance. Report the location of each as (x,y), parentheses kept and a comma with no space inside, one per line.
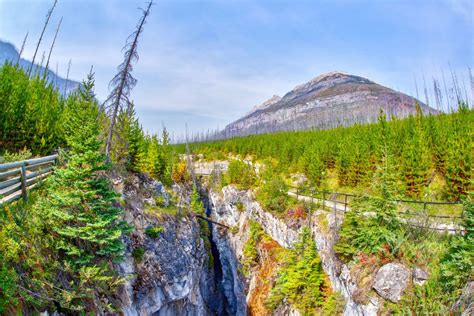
(411,209)
(16,178)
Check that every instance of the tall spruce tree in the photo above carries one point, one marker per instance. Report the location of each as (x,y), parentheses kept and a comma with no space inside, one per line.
(315,168)
(79,201)
(129,140)
(416,155)
(460,169)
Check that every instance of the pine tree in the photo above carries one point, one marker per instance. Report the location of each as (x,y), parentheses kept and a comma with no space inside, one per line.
(417,160)
(459,159)
(128,140)
(167,157)
(79,203)
(343,163)
(315,168)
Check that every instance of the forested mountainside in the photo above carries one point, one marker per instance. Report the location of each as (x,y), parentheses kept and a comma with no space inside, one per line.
(9,53)
(329,100)
(431,154)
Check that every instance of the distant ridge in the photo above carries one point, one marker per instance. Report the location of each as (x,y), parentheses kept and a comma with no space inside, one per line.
(8,52)
(329,100)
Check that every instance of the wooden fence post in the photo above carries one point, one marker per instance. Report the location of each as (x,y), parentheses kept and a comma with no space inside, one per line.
(345,203)
(23,182)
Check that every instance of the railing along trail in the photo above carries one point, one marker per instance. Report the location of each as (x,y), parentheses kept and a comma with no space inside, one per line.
(340,202)
(16,178)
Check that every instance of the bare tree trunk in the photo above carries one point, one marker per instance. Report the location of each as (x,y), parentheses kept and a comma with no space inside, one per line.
(446,91)
(416,87)
(67,78)
(48,16)
(124,79)
(425,89)
(22,49)
(52,46)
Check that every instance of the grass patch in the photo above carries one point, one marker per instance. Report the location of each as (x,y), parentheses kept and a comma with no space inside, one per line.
(154,232)
(159,212)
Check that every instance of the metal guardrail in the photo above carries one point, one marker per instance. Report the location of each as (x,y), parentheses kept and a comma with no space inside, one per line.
(343,206)
(16,178)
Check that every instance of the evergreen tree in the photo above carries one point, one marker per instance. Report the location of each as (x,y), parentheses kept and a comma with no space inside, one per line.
(417,160)
(459,170)
(315,168)
(79,204)
(128,140)
(343,163)
(372,223)
(135,141)
(301,281)
(167,157)
(457,266)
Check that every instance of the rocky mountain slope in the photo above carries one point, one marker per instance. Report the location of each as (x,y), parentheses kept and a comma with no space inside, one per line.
(330,100)
(8,52)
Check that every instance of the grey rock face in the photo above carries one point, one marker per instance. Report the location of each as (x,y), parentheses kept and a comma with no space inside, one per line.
(391,280)
(225,211)
(420,276)
(330,100)
(167,279)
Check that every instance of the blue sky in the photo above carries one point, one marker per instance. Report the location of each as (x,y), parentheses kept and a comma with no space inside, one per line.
(206,63)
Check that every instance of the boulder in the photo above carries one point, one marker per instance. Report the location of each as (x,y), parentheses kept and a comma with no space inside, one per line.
(420,276)
(391,280)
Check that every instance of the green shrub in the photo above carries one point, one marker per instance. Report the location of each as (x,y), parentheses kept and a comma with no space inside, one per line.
(160,201)
(138,253)
(273,194)
(155,231)
(301,280)
(250,248)
(16,156)
(240,206)
(241,174)
(334,304)
(457,266)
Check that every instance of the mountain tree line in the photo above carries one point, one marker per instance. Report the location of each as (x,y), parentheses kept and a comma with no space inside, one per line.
(426,148)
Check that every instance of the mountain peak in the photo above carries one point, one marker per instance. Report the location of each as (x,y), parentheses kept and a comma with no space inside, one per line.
(329,76)
(274,99)
(328,100)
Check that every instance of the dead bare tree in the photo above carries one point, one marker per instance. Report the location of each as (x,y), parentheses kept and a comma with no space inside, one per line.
(446,91)
(42,60)
(48,16)
(455,84)
(52,46)
(123,82)
(67,77)
(416,87)
(438,95)
(427,100)
(22,49)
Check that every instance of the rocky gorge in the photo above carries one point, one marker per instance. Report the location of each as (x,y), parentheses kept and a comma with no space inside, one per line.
(169,271)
